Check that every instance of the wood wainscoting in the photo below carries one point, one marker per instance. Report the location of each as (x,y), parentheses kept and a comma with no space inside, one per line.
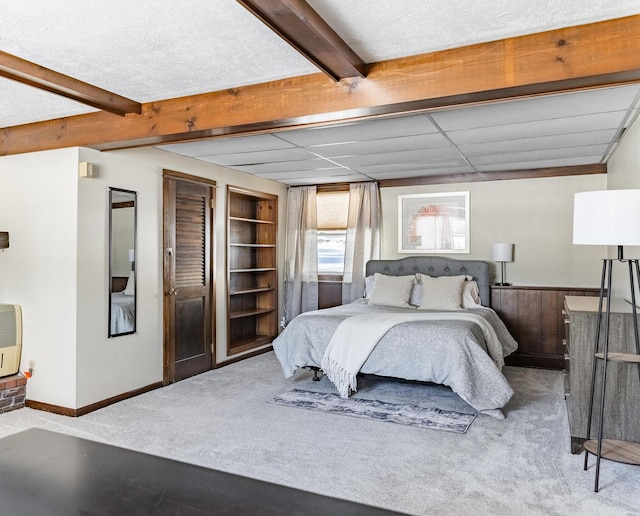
(534,317)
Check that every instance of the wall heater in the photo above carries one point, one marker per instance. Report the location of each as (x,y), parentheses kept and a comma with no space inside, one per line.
(10,339)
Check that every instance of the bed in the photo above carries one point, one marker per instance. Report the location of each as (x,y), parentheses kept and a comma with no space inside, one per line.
(462,348)
(123,313)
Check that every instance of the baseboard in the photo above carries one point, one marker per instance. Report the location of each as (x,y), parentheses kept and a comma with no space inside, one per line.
(243,356)
(66,411)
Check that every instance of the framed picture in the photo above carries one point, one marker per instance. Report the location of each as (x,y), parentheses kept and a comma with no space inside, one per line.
(433,223)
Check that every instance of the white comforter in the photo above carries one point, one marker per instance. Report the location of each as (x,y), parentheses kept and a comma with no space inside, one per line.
(449,352)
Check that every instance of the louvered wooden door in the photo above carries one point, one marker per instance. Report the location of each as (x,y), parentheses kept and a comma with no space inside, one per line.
(188,269)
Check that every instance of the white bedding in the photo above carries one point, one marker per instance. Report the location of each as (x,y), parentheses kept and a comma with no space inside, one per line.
(123,313)
(447,352)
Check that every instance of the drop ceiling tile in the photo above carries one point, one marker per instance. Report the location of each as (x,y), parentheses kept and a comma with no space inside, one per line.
(267,156)
(410,173)
(399,157)
(548,154)
(360,131)
(547,107)
(539,143)
(285,166)
(396,144)
(550,163)
(231,145)
(576,124)
(421,166)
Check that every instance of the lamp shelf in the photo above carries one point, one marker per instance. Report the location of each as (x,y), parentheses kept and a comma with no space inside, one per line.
(619,451)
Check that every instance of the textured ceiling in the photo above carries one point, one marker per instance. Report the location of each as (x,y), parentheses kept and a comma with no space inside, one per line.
(157,49)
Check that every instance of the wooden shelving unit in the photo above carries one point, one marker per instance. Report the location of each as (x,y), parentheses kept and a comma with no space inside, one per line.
(252,269)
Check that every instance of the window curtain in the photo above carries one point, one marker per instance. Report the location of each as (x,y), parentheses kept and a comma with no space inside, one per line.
(301,252)
(363,238)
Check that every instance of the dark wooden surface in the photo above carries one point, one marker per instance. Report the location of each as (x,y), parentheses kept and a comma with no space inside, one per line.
(43,472)
(189,299)
(534,317)
(252,269)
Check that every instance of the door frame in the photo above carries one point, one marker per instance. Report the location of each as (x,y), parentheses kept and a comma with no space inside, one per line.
(168,346)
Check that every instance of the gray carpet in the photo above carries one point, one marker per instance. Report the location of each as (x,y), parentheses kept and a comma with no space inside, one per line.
(222,419)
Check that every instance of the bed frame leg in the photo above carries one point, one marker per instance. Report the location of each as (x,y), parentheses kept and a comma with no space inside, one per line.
(315,370)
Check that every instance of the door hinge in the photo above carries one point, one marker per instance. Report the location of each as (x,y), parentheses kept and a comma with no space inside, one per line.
(212,203)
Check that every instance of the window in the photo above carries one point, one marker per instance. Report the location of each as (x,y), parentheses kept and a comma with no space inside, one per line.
(333,208)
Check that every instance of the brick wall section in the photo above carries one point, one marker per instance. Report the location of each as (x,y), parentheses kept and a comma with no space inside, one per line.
(13,390)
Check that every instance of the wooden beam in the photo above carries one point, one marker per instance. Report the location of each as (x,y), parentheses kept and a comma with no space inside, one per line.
(588,56)
(503,175)
(298,24)
(29,73)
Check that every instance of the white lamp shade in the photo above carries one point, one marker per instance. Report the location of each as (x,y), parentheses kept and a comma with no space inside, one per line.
(607,217)
(132,255)
(502,252)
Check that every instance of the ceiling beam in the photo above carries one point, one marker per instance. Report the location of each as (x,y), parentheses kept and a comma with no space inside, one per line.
(587,56)
(29,73)
(298,24)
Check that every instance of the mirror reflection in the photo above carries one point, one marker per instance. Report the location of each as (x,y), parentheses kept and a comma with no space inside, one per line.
(122,265)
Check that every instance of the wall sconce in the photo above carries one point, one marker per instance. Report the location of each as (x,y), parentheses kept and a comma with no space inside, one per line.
(4,239)
(502,253)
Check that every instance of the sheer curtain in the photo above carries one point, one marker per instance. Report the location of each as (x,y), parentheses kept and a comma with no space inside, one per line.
(363,238)
(301,252)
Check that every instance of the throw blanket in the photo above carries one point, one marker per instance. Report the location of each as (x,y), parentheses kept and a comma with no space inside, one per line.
(356,337)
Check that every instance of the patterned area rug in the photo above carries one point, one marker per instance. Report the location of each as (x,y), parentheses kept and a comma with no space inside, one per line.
(434,418)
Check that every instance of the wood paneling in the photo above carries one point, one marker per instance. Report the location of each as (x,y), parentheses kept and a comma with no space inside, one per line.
(587,56)
(252,269)
(534,318)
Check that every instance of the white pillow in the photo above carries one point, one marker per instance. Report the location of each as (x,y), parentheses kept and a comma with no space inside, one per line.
(391,290)
(131,285)
(368,286)
(471,295)
(441,293)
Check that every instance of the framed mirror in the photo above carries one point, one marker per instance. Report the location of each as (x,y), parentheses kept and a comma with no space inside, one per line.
(122,263)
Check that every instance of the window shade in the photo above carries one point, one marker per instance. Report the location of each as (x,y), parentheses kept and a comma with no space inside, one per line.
(333,208)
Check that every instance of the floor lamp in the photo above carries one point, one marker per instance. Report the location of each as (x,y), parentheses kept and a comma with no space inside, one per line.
(611,218)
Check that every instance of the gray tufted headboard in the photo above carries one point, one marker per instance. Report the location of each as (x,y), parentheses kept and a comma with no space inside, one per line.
(436,266)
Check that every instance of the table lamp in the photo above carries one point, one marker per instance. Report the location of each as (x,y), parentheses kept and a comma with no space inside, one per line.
(502,253)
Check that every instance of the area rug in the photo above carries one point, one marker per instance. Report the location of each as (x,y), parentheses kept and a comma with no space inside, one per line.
(424,417)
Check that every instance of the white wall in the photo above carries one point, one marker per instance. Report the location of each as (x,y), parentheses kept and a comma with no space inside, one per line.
(223,176)
(38,206)
(534,214)
(624,173)
(57,266)
(106,366)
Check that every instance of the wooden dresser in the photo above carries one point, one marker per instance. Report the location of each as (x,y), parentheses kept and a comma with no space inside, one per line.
(622,415)
(533,315)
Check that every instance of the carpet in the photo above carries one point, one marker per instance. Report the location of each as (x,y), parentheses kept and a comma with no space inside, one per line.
(404,414)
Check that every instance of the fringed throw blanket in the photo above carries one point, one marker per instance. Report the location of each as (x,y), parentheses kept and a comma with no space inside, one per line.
(356,337)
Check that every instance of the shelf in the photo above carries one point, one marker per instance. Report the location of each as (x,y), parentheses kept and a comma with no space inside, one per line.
(626,452)
(248,343)
(259,269)
(250,312)
(253,221)
(251,291)
(629,358)
(232,244)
